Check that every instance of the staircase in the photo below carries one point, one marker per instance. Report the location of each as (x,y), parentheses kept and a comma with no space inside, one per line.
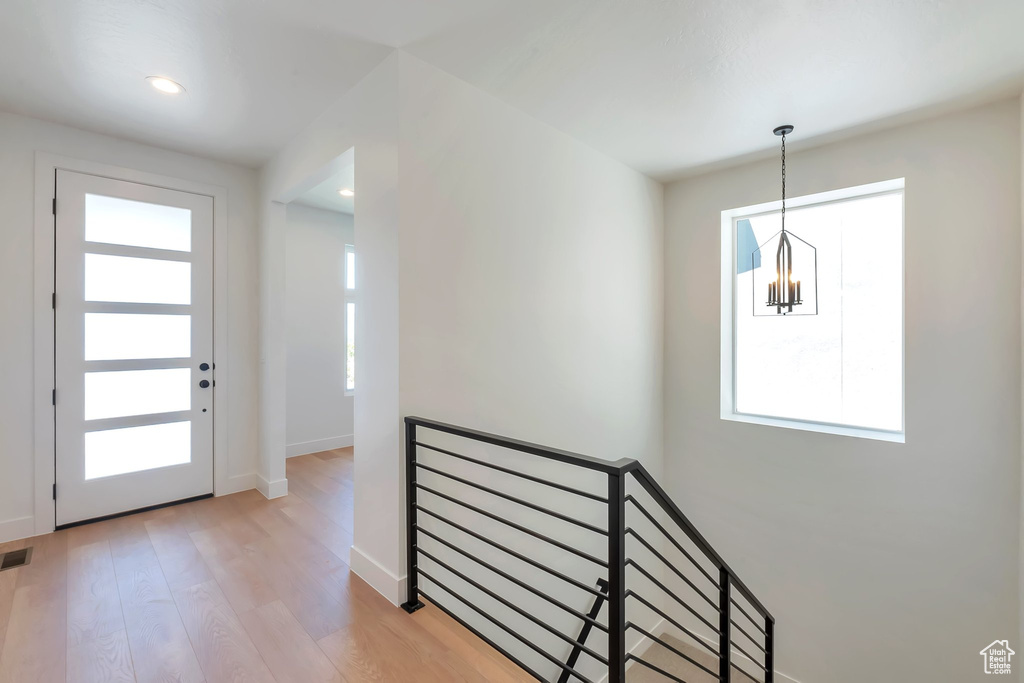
(574,568)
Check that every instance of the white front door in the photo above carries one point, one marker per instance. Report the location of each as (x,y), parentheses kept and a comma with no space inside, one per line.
(133,320)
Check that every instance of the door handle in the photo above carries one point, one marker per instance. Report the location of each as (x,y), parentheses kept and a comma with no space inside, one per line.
(204,383)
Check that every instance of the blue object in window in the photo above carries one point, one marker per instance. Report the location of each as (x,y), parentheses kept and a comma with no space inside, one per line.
(746,244)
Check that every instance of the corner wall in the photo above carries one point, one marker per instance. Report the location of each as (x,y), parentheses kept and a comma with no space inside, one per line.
(880,561)
(510,281)
(365,120)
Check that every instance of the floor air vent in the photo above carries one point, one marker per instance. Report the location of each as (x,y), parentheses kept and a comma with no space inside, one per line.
(15,559)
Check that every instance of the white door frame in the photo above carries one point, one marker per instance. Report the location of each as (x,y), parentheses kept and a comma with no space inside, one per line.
(46,166)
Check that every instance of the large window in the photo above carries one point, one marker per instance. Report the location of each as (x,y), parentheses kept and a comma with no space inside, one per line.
(840,371)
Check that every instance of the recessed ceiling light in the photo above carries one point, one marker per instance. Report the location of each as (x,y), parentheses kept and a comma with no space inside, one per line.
(346,192)
(165,85)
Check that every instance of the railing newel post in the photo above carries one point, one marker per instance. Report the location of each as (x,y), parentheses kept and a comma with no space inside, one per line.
(412,602)
(724,626)
(617,577)
(769,647)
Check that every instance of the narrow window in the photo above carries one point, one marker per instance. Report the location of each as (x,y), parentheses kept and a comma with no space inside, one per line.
(350,319)
(350,267)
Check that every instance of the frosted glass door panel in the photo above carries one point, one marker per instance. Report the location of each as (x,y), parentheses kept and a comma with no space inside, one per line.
(137,224)
(137,280)
(132,336)
(136,392)
(134,449)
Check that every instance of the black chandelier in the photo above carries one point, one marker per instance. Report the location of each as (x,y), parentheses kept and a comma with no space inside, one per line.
(787,291)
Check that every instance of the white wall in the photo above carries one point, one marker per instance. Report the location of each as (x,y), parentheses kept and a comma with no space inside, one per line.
(366,119)
(1020,586)
(531,306)
(880,561)
(318,413)
(20,139)
(531,277)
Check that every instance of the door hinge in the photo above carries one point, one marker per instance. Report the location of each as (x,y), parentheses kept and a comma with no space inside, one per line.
(55,492)
(54,397)
(53,301)
(54,206)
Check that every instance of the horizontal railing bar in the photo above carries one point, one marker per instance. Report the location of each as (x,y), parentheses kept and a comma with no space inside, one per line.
(744,672)
(750,618)
(654,489)
(748,656)
(659,641)
(512,606)
(523,475)
(652,667)
(518,527)
(749,637)
(671,538)
(671,566)
(509,577)
(584,461)
(519,556)
(514,499)
(634,594)
(536,648)
(672,595)
(482,637)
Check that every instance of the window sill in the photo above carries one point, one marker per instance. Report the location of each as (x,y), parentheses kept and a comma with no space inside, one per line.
(820,427)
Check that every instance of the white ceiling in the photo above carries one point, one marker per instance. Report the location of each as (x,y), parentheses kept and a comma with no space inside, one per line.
(255,71)
(666,86)
(325,195)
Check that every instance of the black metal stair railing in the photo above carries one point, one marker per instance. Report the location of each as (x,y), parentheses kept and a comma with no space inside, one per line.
(627,548)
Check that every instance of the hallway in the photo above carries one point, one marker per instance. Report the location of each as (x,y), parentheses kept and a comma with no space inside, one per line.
(227,589)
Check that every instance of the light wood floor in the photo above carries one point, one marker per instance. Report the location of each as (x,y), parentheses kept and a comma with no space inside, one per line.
(229,589)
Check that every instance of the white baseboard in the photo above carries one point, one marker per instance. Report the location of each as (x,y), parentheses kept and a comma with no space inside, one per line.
(383,581)
(784,677)
(641,645)
(307,447)
(271,489)
(737,655)
(18,528)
